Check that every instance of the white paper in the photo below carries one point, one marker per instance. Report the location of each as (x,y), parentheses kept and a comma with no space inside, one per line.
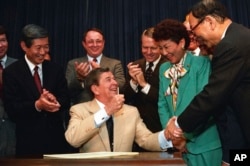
(89,155)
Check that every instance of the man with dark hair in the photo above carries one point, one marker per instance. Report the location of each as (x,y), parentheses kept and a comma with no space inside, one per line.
(89,129)
(77,69)
(7,128)
(227,94)
(36,96)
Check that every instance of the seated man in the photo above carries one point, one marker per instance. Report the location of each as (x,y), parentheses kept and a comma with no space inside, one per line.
(87,127)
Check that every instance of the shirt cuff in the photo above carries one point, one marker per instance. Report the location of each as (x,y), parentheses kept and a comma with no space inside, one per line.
(146,89)
(164,143)
(37,108)
(176,123)
(100,117)
(134,86)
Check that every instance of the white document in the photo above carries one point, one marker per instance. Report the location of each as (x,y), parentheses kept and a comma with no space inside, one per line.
(90,155)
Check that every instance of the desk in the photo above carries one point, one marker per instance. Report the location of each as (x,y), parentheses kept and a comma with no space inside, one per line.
(145,158)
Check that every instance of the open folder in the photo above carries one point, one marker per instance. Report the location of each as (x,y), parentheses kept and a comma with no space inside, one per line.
(90,155)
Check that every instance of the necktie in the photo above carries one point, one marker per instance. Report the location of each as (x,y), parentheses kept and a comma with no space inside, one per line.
(1,82)
(37,79)
(109,124)
(149,71)
(95,60)
(174,73)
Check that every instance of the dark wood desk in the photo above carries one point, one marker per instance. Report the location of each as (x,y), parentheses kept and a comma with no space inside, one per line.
(145,158)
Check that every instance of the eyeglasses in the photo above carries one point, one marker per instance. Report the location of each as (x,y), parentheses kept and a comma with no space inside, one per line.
(201,20)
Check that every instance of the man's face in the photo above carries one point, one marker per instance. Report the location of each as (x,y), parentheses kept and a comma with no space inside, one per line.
(94,43)
(201,30)
(193,43)
(150,49)
(108,86)
(3,45)
(37,51)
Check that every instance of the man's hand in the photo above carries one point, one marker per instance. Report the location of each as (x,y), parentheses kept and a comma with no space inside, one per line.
(47,102)
(115,104)
(141,80)
(172,131)
(180,144)
(94,64)
(133,70)
(82,70)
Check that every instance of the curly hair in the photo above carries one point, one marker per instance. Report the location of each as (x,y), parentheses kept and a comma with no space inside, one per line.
(170,29)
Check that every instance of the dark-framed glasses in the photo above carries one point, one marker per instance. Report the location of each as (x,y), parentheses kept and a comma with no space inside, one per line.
(199,22)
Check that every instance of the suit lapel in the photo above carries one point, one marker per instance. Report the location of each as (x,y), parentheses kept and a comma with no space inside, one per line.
(184,81)
(166,83)
(28,78)
(119,127)
(103,132)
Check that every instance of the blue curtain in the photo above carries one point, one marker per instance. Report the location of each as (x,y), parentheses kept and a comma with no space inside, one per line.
(122,22)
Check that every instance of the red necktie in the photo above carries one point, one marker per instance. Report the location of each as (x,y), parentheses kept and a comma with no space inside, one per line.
(37,79)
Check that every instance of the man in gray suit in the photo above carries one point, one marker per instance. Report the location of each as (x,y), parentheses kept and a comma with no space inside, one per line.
(77,69)
(7,128)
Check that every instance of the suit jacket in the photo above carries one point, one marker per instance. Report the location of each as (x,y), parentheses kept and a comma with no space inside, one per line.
(77,92)
(146,103)
(7,128)
(37,132)
(198,69)
(128,127)
(7,63)
(228,86)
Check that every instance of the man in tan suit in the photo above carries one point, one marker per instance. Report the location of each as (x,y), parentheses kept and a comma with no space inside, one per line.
(87,127)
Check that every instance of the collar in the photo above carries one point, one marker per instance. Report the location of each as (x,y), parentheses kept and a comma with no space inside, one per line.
(31,65)
(155,63)
(224,33)
(3,60)
(100,104)
(90,58)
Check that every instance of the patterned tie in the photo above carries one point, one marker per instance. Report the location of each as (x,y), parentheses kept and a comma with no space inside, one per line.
(174,73)
(37,79)
(109,124)
(149,71)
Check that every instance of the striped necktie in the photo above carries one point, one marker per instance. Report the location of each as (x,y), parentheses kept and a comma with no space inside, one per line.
(37,79)
(149,71)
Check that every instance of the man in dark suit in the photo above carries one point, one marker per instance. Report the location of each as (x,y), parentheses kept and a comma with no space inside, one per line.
(93,42)
(227,93)
(141,91)
(36,111)
(7,128)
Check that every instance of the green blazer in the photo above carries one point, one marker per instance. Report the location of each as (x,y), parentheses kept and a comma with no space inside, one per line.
(198,70)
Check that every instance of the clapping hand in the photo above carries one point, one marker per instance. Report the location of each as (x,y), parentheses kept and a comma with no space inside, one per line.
(47,102)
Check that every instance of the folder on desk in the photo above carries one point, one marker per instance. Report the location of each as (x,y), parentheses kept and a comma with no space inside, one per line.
(90,155)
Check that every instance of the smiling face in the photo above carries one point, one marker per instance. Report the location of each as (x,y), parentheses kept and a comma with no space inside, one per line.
(93,43)
(171,50)
(37,51)
(202,29)
(3,45)
(107,87)
(149,49)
